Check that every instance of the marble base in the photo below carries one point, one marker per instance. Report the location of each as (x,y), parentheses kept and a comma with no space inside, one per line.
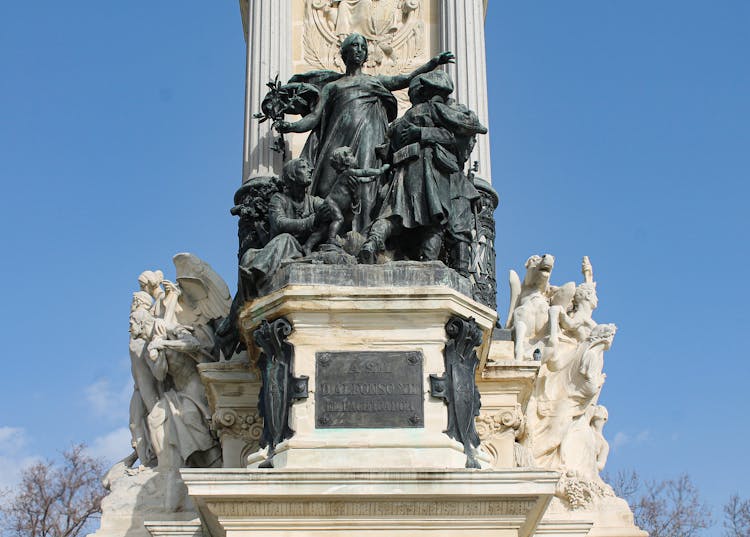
(334,318)
(606,517)
(135,499)
(387,503)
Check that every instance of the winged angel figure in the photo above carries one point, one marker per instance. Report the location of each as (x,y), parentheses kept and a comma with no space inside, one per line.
(171,332)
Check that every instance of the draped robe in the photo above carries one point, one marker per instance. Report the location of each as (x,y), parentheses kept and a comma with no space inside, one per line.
(356,114)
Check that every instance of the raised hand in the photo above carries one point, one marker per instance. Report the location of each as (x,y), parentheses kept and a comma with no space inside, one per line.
(445,57)
(408,134)
(169,287)
(282,126)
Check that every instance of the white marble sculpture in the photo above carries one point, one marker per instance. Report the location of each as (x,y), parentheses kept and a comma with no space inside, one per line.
(145,389)
(171,327)
(563,428)
(530,304)
(393,29)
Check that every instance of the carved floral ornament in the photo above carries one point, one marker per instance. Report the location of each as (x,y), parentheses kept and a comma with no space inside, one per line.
(393,28)
(489,425)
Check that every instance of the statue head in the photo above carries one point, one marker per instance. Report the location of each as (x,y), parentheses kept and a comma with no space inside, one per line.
(354,49)
(538,271)
(141,323)
(343,158)
(297,173)
(150,280)
(424,87)
(599,417)
(141,300)
(586,292)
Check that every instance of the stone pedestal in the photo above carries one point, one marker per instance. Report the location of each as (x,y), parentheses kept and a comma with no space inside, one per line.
(400,307)
(387,503)
(362,481)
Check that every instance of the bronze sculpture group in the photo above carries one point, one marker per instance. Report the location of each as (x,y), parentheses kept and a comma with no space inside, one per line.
(368,185)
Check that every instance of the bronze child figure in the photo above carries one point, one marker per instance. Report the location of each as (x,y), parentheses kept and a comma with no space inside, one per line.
(344,194)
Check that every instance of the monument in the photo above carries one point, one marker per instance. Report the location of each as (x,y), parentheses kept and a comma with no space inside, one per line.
(359,381)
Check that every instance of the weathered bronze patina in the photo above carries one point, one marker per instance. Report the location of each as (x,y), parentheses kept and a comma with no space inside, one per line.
(458,388)
(280,387)
(369,390)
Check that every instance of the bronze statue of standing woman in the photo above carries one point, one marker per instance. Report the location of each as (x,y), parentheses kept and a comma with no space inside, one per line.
(354,110)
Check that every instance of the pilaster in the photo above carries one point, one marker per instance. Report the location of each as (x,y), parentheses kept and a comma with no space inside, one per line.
(462,32)
(268,54)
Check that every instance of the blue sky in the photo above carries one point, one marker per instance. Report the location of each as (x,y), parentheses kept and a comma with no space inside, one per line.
(619,130)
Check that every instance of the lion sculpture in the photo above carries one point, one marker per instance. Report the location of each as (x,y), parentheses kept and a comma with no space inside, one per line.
(530,304)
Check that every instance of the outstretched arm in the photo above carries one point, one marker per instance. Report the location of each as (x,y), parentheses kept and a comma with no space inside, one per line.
(369,172)
(367,175)
(310,121)
(185,342)
(399,82)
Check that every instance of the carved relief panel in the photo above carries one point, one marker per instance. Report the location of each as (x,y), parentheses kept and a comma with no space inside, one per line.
(394,29)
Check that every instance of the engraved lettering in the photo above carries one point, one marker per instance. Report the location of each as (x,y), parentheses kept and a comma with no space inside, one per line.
(369,389)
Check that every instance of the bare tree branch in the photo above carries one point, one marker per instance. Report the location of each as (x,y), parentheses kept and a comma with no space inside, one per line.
(55,500)
(737,517)
(670,508)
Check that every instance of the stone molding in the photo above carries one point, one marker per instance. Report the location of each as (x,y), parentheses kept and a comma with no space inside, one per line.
(562,528)
(231,482)
(373,509)
(394,274)
(365,503)
(300,298)
(505,387)
(191,528)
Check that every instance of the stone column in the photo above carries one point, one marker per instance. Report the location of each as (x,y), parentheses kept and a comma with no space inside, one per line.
(268,27)
(462,31)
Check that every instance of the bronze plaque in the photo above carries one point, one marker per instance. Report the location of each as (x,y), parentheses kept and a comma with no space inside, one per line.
(368,390)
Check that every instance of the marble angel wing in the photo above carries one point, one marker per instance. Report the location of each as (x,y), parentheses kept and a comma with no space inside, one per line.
(204,295)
